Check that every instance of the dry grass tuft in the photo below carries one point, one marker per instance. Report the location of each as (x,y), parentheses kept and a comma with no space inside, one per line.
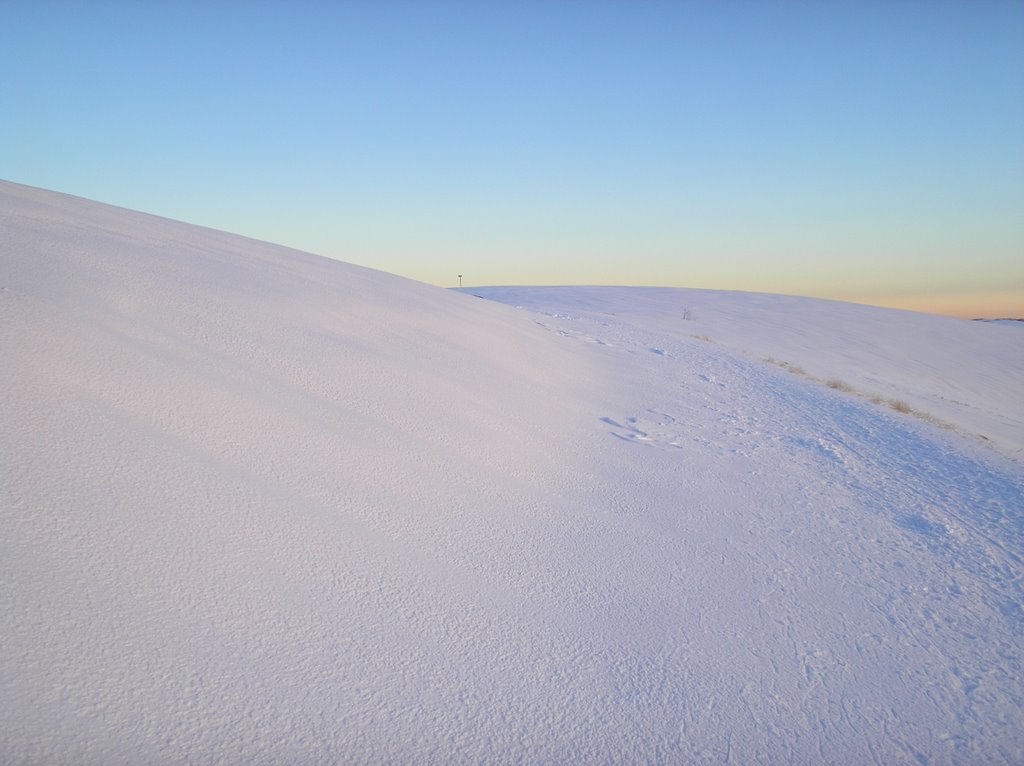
(898,405)
(938,422)
(784,365)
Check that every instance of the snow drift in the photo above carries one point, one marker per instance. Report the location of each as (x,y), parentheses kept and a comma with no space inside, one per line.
(263,507)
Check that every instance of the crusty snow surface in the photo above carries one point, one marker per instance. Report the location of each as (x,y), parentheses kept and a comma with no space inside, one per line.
(258,506)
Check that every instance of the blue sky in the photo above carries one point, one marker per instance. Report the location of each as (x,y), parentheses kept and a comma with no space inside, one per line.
(866,151)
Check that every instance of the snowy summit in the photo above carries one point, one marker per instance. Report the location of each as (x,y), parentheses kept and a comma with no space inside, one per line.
(260,506)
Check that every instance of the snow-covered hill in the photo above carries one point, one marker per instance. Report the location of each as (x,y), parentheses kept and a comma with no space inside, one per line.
(263,507)
(966,375)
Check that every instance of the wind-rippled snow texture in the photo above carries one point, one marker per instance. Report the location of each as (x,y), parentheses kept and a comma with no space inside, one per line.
(262,507)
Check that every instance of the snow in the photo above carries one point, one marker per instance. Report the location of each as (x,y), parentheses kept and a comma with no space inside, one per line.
(968,375)
(263,507)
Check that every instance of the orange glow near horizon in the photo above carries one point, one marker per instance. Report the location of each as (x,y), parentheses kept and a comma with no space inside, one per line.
(987,304)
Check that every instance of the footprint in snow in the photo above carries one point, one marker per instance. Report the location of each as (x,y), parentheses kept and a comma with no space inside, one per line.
(921,525)
(630,431)
(711,379)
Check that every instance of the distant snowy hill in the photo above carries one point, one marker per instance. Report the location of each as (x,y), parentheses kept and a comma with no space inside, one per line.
(1018,323)
(259,506)
(969,375)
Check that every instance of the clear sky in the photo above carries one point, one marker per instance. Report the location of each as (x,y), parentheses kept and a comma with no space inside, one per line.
(867,151)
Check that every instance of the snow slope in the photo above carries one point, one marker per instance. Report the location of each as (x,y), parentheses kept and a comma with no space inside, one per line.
(1017,323)
(969,375)
(263,507)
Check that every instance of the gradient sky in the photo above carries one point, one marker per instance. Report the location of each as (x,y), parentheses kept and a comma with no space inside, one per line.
(867,151)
